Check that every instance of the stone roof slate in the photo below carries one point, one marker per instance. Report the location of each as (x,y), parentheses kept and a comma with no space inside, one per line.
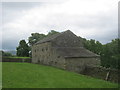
(49,38)
(52,37)
(75,52)
(69,52)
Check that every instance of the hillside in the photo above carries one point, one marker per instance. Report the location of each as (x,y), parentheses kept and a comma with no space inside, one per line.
(26,75)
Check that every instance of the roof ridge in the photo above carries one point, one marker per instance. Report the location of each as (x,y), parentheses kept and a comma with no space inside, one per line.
(49,38)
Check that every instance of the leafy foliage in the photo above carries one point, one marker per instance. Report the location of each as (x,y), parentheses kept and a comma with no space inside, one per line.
(35,37)
(52,32)
(92,45)
(6,54)
(109,53)
(23,49)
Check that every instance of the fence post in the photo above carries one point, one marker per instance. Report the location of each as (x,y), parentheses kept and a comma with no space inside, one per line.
(23,60)
(107,75)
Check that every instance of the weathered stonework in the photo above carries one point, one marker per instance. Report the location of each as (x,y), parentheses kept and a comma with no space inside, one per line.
(64,50)
(79,64)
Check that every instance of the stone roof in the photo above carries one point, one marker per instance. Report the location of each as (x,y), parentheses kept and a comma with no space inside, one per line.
(52,37)
(75,52)
(49,38)
(68,44)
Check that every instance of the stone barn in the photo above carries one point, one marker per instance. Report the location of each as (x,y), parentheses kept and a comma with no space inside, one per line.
(64,50)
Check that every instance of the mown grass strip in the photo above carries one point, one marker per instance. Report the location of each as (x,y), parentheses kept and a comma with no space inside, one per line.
(27,75)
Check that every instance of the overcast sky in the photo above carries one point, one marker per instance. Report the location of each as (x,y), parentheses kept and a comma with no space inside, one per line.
(90,19)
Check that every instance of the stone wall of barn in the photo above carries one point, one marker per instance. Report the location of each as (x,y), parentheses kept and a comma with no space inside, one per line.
(58,60)
(45,54)
(79,64)
(41,53)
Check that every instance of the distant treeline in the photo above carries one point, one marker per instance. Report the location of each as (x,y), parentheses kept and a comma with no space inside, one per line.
(6,54)
(109,53)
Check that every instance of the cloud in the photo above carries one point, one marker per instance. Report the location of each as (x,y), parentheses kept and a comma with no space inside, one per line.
(91,19)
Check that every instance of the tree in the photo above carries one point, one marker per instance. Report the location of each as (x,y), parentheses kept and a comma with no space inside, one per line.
(23,49)
(110,56)
(109,53)
(6,54)
(52,32)
(92,45)
(35,37)
(98,48)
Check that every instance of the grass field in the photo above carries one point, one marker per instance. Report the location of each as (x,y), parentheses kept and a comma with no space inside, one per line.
(26,75)
(0,75)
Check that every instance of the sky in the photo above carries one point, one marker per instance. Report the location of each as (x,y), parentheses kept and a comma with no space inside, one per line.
(90,19)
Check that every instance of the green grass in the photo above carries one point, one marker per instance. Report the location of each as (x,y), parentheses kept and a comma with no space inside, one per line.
(27,75)
(0,75)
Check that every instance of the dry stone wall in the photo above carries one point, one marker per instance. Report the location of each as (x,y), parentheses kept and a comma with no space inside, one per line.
(7,59)
(103,73)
